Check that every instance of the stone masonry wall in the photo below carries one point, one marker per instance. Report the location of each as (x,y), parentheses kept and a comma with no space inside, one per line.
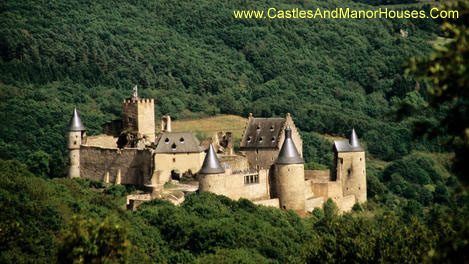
(134,165)
(182,162)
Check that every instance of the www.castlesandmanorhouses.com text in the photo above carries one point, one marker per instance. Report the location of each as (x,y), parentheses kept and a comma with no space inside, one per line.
(343,13)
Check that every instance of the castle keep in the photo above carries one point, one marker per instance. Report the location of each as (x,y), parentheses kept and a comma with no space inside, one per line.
(268,169)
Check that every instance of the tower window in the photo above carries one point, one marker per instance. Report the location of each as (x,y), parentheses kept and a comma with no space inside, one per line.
(174,159)
(349,172)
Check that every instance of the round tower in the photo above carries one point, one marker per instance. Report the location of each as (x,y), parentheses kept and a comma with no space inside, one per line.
(75,133)
(211,175)
(355,183)
(290,176)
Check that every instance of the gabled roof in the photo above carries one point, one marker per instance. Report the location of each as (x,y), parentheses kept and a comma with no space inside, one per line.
(75,123)
(211,163)
(178,142)
(288,154)
(262,132)
(353,145)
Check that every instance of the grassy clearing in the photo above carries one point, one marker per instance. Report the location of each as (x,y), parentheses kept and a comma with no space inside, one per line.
(208,126)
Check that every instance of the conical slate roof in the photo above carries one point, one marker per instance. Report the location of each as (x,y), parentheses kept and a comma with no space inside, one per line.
(75,122)
(354,142)
(288,154)
(211,163)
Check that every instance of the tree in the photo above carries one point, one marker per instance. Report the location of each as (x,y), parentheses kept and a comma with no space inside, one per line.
(88,241)
(38,163)
(446,74)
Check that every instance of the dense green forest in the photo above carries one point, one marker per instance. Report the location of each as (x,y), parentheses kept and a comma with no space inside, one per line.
(194,57)
(42,226)
(196,60)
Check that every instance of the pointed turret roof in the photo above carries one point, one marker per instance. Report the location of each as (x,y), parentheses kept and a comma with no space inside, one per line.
(352,145)
(75,123)
(211,163)
(354,142)
(288,153)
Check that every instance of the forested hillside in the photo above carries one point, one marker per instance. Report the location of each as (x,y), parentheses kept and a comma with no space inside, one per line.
(62,219)
(194,57)
(197,61)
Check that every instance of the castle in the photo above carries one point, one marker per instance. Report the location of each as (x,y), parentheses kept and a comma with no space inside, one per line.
(268,169)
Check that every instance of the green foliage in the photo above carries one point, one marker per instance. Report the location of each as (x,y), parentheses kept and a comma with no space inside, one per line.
(446,76)
(341,74)
(38,163)
(41,227)
(88,241)
(330,208)
(116,191)
(357,207)
(415,168)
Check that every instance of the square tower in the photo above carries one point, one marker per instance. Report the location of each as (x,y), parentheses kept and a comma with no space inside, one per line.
(138,114)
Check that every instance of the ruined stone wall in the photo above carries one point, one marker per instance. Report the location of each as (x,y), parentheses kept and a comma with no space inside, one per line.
(352,174)
(130,114)
(146,118)
(317,175)
(235,162)
(139,115)
(134,165)
(182,162)
(104,141)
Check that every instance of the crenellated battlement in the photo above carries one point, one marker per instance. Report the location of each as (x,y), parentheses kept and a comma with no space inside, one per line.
(138,100)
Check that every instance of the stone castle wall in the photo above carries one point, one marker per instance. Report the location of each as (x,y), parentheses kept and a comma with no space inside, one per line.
(234,186)
(103,141)
(134,164)
(235,162)
(139,114)
(182,162)
(352,174)
(290,181)
(318,176)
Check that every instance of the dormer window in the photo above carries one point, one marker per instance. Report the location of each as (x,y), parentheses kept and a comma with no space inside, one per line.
(258,128)
(166,141)
(272,128)
(173,146)
(181,140)
(249,139)
(273,139)
(261,139)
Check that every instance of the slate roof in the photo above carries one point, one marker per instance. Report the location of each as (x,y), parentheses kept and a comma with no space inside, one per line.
(262,133)
(178,142)
(75,123)
(211,163)
(288,153)
(353,145)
